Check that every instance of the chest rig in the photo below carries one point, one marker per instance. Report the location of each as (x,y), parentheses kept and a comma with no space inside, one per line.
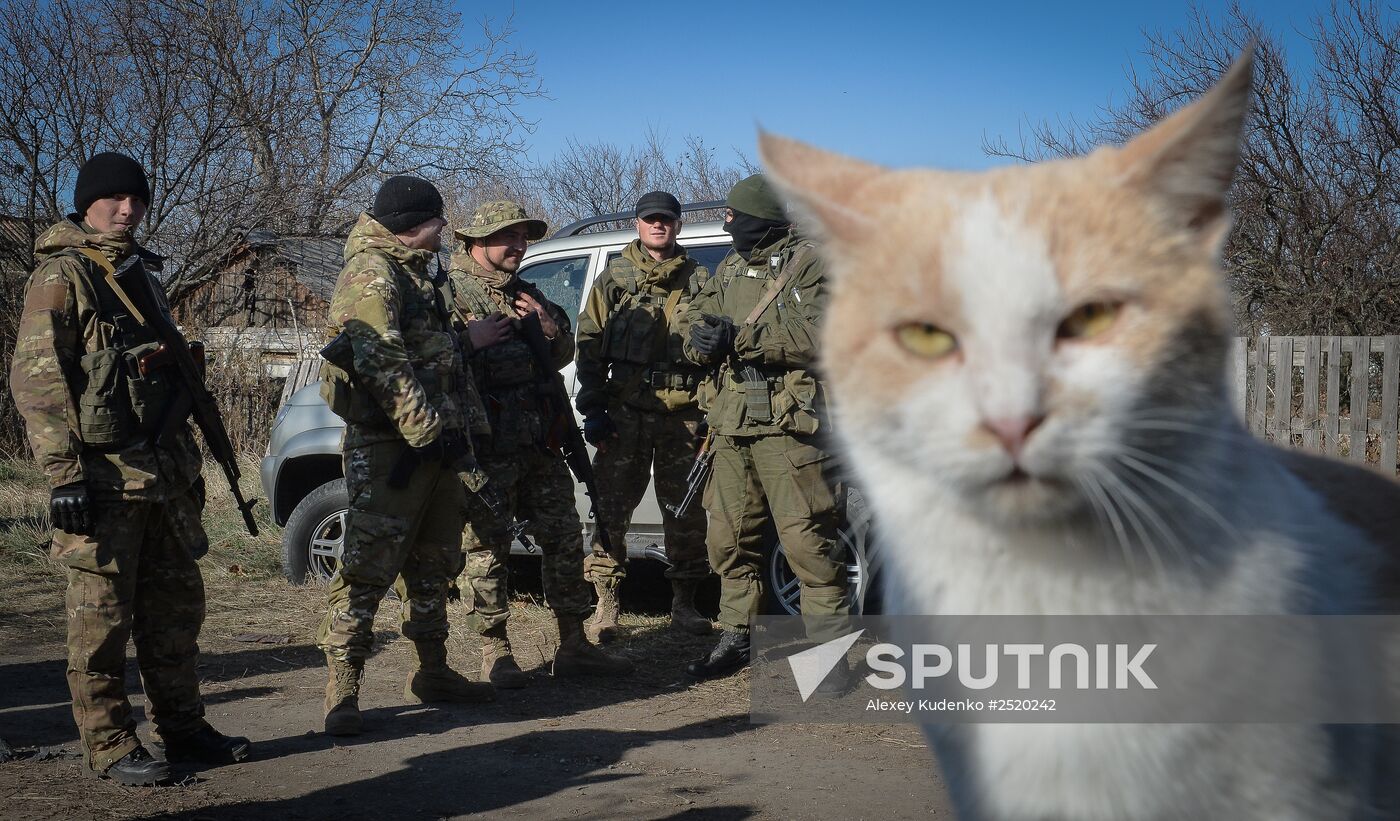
(640,343)
(127,384)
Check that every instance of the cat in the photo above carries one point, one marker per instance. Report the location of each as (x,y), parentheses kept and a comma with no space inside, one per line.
(1030,362)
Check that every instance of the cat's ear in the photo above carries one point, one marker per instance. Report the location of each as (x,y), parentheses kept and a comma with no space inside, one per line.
(1189,159)
(818,186)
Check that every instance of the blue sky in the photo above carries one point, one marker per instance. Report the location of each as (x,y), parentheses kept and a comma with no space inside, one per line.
(893,82)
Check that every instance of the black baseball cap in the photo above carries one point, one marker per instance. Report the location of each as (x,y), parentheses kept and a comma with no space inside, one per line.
(658,202)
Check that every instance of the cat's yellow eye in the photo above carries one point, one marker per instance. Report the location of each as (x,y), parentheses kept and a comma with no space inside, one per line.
(926,340)
(1089,320)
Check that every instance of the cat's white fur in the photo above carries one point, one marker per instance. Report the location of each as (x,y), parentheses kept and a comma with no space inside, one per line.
(951,549)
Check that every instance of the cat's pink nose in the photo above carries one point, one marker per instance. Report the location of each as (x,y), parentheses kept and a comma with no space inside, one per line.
(1013,431)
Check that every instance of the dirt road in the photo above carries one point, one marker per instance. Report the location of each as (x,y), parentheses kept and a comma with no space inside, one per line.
(655,746)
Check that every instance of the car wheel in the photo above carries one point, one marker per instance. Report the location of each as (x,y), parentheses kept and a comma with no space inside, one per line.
(782,590)
(315,534)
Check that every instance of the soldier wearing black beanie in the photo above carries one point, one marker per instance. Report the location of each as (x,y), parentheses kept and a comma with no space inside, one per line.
(405,202)
(106,175)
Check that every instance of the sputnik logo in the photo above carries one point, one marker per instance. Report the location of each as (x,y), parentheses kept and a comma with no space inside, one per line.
(810,667)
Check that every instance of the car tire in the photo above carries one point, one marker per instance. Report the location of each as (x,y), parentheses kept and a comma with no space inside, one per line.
(781,589)
(315,534)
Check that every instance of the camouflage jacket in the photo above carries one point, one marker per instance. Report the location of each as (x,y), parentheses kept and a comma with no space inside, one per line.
(783,393)
(505,373)
(406,363)
(630,334)
(69,369)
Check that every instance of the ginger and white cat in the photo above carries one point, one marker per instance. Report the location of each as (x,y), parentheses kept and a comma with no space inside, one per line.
(1028,374)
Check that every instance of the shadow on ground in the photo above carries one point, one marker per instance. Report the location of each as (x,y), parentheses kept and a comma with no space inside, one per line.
(482,778)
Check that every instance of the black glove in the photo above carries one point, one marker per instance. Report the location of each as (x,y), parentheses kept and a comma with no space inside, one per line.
(201,492)
(598,427)
(71,509)
(454,446)
(714,337)
(434,451)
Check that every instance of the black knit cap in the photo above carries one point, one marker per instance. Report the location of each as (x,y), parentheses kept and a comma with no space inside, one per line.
(108,174)
(405,202)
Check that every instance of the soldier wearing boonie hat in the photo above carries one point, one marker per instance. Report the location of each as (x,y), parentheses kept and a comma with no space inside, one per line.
(489,296)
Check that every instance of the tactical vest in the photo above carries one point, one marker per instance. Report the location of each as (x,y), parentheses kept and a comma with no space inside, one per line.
(508,363)
(426,326)
(125,394)
(639,341)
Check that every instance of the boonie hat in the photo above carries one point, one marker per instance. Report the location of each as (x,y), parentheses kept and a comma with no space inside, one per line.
(658,202)
(493,216)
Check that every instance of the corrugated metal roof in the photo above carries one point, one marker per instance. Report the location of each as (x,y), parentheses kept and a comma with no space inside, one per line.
(314,261)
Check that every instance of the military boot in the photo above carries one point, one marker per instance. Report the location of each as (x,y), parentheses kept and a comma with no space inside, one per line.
(343,697)
(138,768)
(498,663)
(436,683)
(601,627)
(577,656)
(684,616)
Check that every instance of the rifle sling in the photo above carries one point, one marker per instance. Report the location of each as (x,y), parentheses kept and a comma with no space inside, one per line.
(774,288)
(108,272)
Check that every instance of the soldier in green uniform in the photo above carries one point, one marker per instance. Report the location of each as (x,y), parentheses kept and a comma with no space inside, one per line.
(637,396)
(758,317)
(490,298)
(401,412)
(126,491)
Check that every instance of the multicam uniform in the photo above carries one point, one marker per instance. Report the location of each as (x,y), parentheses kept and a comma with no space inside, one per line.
(536,481)
(767,451)
(92,419)
(403,394)
(632,365)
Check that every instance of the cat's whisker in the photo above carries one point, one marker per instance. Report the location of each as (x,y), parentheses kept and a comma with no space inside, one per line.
(1143,494)
(1181,490)
(1107,514)
(1166,464)
(1132,503)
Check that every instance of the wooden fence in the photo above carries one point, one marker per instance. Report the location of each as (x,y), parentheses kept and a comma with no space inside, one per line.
(1337,395)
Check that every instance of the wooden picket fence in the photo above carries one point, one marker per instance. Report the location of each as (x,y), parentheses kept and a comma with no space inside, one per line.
(1337,395)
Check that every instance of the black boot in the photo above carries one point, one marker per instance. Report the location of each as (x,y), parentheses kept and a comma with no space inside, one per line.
(729,656)
(841,681)
(207,746)
(138,769)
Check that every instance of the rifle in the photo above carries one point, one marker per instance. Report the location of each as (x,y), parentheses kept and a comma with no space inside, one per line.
(564,436)
(698,475)
(340,353)
(195,399)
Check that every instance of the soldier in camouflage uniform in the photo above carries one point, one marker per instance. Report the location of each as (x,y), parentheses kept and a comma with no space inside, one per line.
(637,396)
(126,491)
(758,315)
(401,412)
(490,298)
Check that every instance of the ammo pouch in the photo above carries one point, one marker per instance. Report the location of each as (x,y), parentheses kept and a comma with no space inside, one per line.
(506,365)
(104,409)
(118,404)
(631,335)
(758,404)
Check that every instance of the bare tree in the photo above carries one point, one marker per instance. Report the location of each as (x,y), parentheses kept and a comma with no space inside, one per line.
(1316,240)
(588,179)
(281,114)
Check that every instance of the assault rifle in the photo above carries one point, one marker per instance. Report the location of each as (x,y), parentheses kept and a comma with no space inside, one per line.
(698,475)
(195,399)
(340,353)
(564,436)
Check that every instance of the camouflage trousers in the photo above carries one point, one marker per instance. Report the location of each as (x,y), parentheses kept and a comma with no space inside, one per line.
(540,491)
(648,444)
(136,578)
(410,532)
(792,480)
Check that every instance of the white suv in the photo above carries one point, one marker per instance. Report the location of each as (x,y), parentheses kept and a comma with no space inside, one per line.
(303,479)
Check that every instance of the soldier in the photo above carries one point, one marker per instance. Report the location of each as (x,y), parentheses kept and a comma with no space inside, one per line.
(125,485)
(490,298)
(404,434)
(758,316)
(637,396)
